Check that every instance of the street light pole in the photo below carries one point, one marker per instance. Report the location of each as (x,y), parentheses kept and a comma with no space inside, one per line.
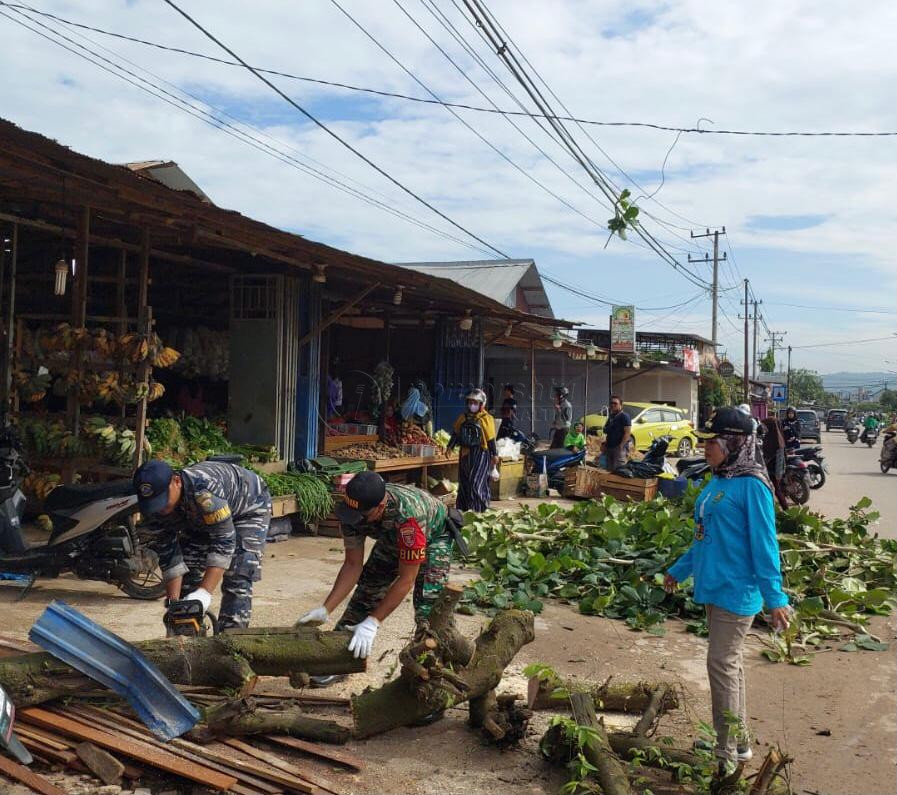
(789,374)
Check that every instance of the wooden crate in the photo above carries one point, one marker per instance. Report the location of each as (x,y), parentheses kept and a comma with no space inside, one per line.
(634,489)
(582,482)
(283,506)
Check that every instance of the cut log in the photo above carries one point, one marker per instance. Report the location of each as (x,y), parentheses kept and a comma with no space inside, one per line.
(608,696)
(457,648)
(652,712)
(623,742)
(768,780)
(232,660)
(611,773)
(101,763)
(241,718)
(401,702)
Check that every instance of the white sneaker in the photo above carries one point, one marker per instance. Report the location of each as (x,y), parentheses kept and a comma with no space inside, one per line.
(745,753)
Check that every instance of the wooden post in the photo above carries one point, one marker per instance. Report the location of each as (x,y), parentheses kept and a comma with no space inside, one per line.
(14,256)
(79,305)
(532,386)
(144,326)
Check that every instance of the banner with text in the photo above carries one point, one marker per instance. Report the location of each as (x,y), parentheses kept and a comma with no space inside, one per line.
(622,329)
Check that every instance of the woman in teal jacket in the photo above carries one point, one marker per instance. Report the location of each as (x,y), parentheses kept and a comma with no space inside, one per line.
(734,560)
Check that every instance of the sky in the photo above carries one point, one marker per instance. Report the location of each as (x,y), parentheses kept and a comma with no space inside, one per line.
(809,221)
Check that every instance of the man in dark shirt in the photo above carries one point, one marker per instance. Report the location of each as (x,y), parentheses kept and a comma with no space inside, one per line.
(508,412)
(617,435)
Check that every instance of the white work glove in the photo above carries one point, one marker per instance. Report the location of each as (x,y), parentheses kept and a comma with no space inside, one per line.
(363,637)
(314,617)
(201,595)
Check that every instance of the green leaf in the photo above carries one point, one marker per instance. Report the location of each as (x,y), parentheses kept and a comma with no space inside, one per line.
(869,644)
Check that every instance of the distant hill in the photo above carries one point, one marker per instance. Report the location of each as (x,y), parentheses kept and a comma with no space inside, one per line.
(835,381)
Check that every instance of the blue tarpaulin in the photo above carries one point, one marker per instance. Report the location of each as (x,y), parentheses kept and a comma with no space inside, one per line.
(114,663)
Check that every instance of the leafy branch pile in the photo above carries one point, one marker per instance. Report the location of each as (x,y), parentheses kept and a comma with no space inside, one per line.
(609,558)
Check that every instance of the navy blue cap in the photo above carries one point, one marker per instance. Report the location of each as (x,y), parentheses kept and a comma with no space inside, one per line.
(151,483)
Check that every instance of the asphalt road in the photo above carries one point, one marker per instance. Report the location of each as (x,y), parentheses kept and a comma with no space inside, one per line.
(854,473)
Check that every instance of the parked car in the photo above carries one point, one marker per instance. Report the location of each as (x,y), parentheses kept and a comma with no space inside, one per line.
(836,418)
(651,421)
(809,424)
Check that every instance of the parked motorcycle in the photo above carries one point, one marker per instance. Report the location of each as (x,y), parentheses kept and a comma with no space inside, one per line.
(816,466)
(853,433)
(93,534)
(554,462)
(796,480)
(527,442)
(870,436)
(888,457)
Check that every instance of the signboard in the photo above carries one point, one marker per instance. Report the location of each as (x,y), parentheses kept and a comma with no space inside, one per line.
(622,329)
(779,393)
(726,368)
(690,360)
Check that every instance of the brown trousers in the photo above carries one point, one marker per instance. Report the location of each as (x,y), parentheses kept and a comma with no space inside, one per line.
(725,668)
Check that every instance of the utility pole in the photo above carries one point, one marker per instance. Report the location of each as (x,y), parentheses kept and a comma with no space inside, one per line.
(716,260)
(747,374)
(756,318)
(789,375)
(775,341)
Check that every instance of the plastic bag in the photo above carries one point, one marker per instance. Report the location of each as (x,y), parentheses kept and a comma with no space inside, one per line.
(495,474)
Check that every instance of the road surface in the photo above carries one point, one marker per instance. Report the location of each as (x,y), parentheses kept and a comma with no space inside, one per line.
(854,473)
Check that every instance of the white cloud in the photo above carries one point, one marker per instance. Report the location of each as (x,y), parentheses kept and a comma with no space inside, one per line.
(744,65)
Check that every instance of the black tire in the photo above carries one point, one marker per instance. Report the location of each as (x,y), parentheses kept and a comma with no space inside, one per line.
(816,477)
(884,467)
(685,447)
(797,489)
(870,442)
(147,583)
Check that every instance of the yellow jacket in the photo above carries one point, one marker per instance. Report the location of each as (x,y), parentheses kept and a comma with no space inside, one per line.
(487,423)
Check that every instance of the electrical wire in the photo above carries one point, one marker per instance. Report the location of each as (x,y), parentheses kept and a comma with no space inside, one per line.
(331,133)
(223,126)
(836,308)
(458,105)
(892,338)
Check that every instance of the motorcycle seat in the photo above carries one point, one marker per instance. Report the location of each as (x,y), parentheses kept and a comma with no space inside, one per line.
(555,454)
(808,450)
(72,496)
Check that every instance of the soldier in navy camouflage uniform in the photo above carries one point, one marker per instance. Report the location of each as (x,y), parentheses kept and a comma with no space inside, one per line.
(410,529)
(212,515)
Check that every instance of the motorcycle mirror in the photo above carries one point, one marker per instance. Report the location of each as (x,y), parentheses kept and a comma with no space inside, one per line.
(8,740)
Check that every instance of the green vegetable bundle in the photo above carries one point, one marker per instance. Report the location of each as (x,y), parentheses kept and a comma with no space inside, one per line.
(312,494)
(609,558)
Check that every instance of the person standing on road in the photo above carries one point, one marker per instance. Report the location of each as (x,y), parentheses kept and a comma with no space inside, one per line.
(791,429)
(734,560)
(774,458)
(563,416)
(474,433)
(508,412)
(617,435)
(209,523)
(412,549)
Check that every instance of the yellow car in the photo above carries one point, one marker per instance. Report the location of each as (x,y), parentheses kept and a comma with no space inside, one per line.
(650,421)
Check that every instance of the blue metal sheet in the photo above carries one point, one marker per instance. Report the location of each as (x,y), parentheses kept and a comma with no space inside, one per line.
(116,664)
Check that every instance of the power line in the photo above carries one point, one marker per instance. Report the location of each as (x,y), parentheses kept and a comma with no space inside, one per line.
(836,308)
(458,105)
(332,134)
(892,337)
(209,118)
(610,302)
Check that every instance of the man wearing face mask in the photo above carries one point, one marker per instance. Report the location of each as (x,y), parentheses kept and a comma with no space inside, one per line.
(474,433)
(413,535)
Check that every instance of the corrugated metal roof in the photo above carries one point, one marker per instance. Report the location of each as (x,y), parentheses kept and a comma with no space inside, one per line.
(496,279)
(170,174)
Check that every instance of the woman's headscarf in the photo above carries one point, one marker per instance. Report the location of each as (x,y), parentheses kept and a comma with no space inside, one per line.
(741,458)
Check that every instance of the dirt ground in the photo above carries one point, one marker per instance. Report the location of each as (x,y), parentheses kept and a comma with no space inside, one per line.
(851,695)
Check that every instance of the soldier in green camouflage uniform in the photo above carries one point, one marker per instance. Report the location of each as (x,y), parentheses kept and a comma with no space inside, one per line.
(382,566)
(412,539)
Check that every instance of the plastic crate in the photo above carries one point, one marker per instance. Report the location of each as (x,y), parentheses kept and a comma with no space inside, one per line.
(427,450)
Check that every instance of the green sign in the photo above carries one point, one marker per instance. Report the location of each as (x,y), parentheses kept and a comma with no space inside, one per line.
(622,329)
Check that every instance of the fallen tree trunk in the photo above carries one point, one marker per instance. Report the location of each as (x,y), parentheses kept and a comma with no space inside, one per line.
(623,742)
(232,660)
(243,717)
(597,750)
(416,693)
(608,696)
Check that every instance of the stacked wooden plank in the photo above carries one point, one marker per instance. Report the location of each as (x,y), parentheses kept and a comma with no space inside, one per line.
(113,746)
(582,481)
(635,489)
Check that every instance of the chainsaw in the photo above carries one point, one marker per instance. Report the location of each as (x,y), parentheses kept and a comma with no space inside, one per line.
(186,618)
